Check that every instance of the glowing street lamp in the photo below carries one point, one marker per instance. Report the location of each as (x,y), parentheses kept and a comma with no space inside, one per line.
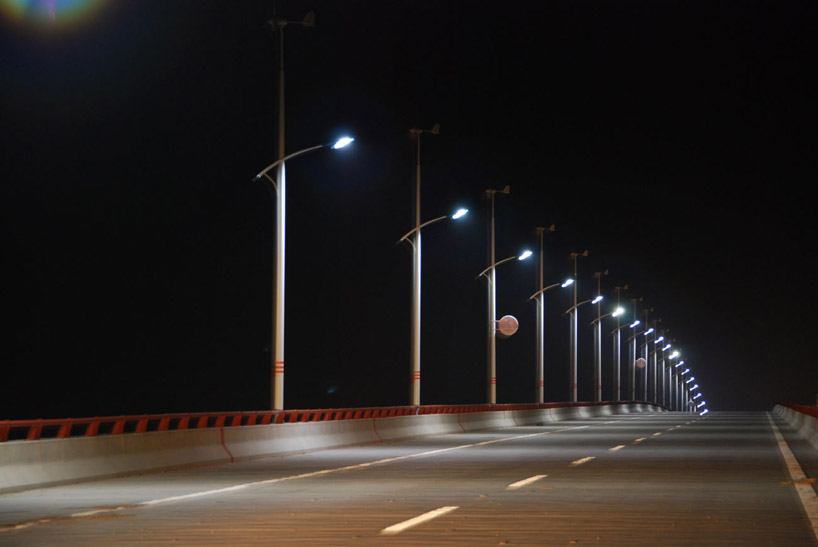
(540,296)
(279,185)
(490,274)
(572,341)
(574,335)
(414,378)
(597,323)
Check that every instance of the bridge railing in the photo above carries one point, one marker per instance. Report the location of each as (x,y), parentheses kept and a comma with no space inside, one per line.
(61,428)
(803,409)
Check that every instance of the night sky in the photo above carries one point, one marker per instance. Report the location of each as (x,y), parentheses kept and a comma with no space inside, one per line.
(674,140)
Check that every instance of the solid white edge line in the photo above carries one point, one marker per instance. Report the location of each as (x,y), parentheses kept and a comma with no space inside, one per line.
(809,500)
(401,526)
(529,480)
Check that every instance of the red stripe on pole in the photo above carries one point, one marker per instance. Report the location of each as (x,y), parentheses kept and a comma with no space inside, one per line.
(493,380)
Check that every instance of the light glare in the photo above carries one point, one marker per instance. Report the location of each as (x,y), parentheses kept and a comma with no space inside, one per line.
(567,283)
(342,142)
(525,255)
(460,213)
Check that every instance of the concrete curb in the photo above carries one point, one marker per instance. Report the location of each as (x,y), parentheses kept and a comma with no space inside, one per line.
(806,425)
(33,464)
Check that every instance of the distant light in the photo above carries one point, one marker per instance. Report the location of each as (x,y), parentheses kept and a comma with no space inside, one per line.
(525,255)
(635,323)
(618,311)
(694,387)
(701,404)
(682,362)
(690,379)
(703,413)
(667,347)
(460,213)
(567,283)
(650,330)
(685,371)
(51,13)
(697,396)
(342,142)
(658,339)
(597,299)
(674,355)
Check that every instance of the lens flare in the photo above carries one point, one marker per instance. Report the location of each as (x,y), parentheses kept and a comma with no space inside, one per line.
(48,13)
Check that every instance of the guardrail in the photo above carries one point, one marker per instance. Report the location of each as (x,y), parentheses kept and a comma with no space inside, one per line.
(803,409)
(32,430)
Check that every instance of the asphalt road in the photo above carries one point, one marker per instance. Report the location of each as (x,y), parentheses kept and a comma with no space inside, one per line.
(664,479)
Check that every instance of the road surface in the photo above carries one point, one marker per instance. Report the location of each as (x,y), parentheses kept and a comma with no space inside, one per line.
(659,479)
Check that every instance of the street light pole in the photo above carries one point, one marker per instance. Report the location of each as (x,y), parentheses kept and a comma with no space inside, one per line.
(540,389)
(491,388)
(646,368)
(652,362)
(572,341)
(633,349)
(414,379)
(617,351)
(598,341)
(277,354)
(540,296)
(597,323)
(573,311)
(277,388)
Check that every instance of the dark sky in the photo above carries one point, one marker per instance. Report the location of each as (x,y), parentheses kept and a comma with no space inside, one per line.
(674,140)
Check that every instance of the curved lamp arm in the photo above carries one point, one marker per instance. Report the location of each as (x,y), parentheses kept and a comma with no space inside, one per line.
(481,274)
(264,171)
(340,143)
(428,222)
(539,292)
(572,308)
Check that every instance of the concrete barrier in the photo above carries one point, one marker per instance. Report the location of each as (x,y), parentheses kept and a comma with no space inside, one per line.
(34,464)
(806,425)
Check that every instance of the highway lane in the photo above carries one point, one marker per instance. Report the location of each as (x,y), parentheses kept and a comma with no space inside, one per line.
(663,479)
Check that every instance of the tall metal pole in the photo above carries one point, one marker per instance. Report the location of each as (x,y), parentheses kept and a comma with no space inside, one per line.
(617,352)
(573,346)
(653,365)
(632,354)
(414,381)
(492,315)
(540,391)
(414,378)
(664,376)
(646,367)
(277,354)
(277,395)
(491,277)
(598,342)
(617,357)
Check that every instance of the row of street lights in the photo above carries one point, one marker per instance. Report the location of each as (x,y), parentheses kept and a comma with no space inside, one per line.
(413,238)
(677,395)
